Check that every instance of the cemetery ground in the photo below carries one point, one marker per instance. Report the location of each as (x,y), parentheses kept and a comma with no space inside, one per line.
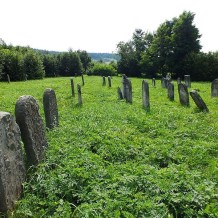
(109,158)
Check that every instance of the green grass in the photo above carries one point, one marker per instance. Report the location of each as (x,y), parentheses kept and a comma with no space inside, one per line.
(113,159)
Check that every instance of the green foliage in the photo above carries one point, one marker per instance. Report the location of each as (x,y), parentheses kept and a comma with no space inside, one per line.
(112,159)
(50,63)
(102,69)
(85,59)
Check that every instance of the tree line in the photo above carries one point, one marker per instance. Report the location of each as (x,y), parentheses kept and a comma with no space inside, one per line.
(22,63)
(174,48)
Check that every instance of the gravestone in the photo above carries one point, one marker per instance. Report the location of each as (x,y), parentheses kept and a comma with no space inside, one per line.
(164,82)
(124,85)
(32,128)
(183,94)
(104,81)
(187,80)
(119,92)
(109,81)
(79,95)
(83,82)
(145,95)
(8,77)
(153,82)
(178,80)
(12,168)
(170,90)
(50,108)
(199,101)
(72,87)
(214,88)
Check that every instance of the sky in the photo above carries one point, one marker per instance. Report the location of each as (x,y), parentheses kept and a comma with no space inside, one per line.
(98,25)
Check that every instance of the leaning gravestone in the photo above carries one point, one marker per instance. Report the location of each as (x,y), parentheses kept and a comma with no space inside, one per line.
(170,89)
(145,95)
(72,87)
(32,128)
(12,168)
(187,80)
(199,101)
(183,94)
(79,95)
(50,108)
(214,88)
(109,81)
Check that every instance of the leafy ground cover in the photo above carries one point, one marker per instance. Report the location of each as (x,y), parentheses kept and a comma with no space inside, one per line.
(113,159)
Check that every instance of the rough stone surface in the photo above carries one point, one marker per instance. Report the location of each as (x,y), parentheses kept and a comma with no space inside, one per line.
(79,95)
(50,108)
(183,94)
(127,89)
(199,101)
(187,80)
(109,81)
(153,82)
(12,168)
(104,81)
(72,87)
(214,88)
(32,128)
(119,92)
(145,95)
(170,89)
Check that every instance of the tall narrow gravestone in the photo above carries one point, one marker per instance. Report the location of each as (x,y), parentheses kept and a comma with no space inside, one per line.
(183,94)
(83,82)
(104,81)
(214,88)
(145,95)
(127,89)
(79,95)
(170,89)
(109,81)
(32,128)
(12,168)
(199,101)
(187,80)
(72,87)
(153,82)
(50,108)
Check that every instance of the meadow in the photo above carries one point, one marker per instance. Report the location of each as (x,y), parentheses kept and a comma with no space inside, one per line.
(109,158)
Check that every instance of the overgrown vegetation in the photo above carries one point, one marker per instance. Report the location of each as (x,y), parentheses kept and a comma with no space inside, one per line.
(113,159)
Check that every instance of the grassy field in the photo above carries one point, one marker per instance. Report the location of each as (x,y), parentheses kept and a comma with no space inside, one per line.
(113,159)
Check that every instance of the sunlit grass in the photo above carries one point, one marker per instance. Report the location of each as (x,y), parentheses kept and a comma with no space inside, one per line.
(113,159)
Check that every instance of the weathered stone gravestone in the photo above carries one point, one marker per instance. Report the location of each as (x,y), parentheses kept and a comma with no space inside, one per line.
(104,81)
(187,80)
(178,80)
(72,87)
(119,92)
(199,101)
(170,90)
(183,94)
(145,95)
(109,81)
(163,82)
(8,77)
(153,82)
(214,88)
(83,82)
(12,168)
(32,128)
(79,95)
(50,108)
(127,89)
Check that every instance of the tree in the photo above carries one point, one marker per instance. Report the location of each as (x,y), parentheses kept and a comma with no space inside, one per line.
(70,64)
(85,59)
(50,63)
(33,65)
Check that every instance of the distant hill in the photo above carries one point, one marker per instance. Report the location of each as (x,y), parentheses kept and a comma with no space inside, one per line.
(105,57)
